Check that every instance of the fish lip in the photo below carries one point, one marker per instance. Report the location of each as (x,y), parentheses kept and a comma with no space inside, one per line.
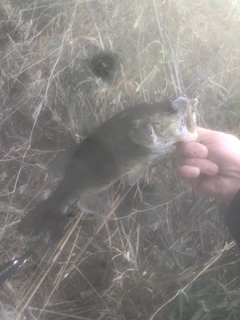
(186,108)
(186,122)
(190,114)
(182,103)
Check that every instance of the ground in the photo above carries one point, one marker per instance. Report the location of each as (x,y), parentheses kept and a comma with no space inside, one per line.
(162,251)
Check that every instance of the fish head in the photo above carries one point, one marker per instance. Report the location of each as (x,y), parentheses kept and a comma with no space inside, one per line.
(161,129)
(179,124)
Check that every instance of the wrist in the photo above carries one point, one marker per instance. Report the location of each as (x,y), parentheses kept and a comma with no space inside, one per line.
(232,190)
(232,218)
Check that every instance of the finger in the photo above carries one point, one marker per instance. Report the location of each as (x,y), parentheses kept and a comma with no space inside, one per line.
(202,184)
(192,150)
(204,134)
(207,136)
(188,173)
(205,166)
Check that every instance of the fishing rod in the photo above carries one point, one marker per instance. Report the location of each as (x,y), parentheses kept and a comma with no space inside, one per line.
(9,268)
(221,52)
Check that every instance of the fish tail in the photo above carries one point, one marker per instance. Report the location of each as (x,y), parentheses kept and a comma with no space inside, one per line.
(45,220)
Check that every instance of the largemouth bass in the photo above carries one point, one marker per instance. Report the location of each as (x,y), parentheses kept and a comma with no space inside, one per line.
(122,147)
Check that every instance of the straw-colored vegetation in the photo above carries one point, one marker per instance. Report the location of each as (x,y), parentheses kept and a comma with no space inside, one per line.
(161,252)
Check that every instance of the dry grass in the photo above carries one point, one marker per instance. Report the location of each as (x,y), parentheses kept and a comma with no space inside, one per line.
(160,252)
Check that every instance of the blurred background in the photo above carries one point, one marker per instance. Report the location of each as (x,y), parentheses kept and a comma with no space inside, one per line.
(161,251)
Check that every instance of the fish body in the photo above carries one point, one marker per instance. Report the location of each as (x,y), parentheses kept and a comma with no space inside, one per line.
(122,146)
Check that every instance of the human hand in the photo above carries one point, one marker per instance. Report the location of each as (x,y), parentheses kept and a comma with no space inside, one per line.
(212,166)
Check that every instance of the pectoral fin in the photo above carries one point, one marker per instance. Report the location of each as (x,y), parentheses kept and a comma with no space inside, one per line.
(136,174)
(95,202)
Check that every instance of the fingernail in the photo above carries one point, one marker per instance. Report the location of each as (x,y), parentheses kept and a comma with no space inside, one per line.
(193,172)
(212,169)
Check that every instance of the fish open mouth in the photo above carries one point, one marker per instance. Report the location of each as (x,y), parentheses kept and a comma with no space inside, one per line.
(186,110)
(191,116)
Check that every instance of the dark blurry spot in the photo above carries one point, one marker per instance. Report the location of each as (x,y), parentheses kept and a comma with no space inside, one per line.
(102,264)
(179,104)
(105,65)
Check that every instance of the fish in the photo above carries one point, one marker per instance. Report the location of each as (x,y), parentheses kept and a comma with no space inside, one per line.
(120,148)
